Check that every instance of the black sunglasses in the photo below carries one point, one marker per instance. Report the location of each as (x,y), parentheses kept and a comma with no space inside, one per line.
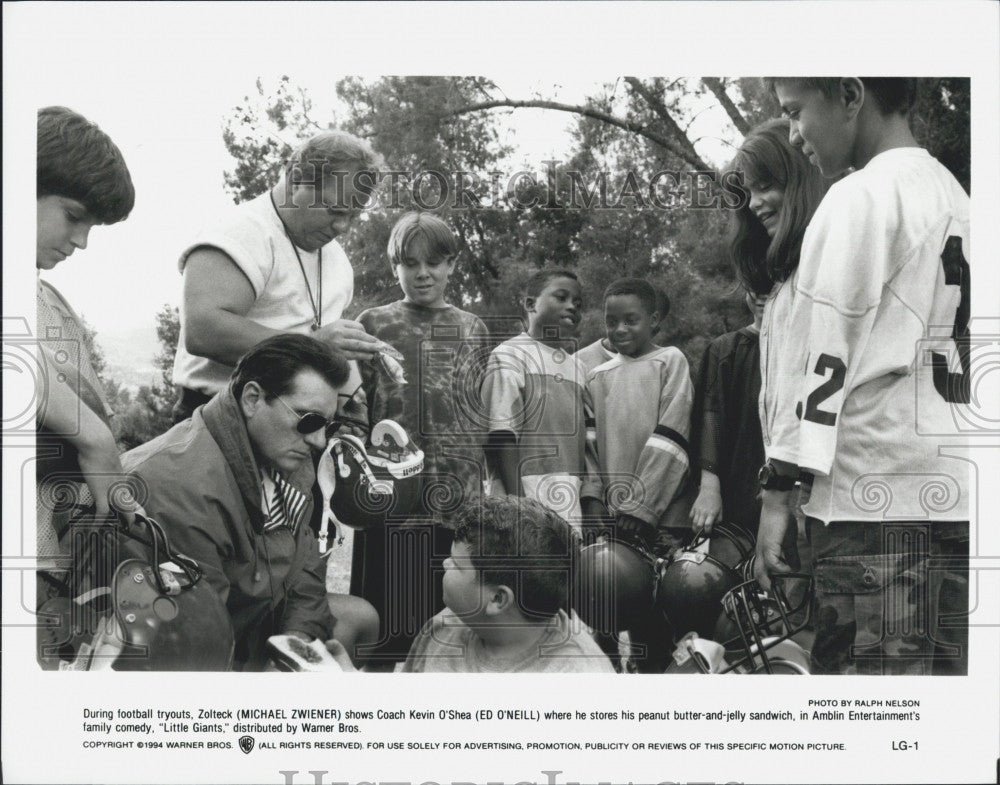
(310,422)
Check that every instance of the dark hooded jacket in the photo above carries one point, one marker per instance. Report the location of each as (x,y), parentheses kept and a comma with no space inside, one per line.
(201,481)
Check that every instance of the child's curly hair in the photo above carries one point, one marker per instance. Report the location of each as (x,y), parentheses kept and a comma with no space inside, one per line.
(518,543)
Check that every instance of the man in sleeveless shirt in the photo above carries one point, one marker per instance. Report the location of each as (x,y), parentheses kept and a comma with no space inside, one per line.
(273,265)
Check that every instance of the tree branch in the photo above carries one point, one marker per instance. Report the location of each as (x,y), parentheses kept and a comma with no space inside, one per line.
(715,85)
(664,114)
(306,105)
(659,139)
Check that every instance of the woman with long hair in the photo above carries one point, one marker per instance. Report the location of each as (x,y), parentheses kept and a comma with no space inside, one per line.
(783,191)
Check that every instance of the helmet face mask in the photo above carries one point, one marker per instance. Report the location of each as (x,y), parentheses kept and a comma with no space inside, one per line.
(764,624)
(133,603)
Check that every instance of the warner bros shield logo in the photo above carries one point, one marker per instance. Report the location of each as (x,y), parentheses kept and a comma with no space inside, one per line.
(246,744)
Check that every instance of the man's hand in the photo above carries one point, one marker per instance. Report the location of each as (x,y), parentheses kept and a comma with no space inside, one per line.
(130,515)
(775,516)
(707,508)
(349,338)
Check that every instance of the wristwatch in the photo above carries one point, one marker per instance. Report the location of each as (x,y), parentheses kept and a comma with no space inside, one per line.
(769,480)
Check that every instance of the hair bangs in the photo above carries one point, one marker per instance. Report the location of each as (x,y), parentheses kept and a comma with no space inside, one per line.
(77,160)
(414,228)
(767,157)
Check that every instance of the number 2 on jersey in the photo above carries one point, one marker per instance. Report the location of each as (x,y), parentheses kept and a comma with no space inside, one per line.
(824,363)
(953,387)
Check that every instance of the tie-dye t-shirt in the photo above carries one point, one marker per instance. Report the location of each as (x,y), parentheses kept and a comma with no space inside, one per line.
(444,352)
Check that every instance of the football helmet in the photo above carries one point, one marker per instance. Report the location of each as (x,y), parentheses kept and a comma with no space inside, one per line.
(165,620)
(134,604)
(363,486)
(756,627)
(614,585)
(692,583)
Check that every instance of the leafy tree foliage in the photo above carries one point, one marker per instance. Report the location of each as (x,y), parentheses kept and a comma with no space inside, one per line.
(145,414)
(941,124)
(168,330)
(633,128)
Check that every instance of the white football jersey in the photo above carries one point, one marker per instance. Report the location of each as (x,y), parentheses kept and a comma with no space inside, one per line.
(864,351)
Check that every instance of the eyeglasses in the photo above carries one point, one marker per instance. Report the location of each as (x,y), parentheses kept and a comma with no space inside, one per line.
(310,422)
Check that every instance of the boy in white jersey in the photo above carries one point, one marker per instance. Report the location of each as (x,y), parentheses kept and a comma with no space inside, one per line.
(883,269)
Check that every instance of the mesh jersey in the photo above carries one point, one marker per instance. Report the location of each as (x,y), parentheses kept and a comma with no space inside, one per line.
(64,358)
(861,349)
(443,357)
(593,355)
(642,414)
(536,393)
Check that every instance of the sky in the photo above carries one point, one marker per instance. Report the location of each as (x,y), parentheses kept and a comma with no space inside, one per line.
(161,78)
(166,114)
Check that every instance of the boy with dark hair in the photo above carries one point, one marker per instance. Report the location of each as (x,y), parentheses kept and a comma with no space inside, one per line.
(880,327)
(232,486)
(507,587)
(78,161)
(533,392)
(395,568)
(82,181)
(600,351)
(892,94)
(642,407)
(641,403)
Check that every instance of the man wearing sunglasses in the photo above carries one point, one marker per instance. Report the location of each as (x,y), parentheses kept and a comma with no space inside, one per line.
(233,487)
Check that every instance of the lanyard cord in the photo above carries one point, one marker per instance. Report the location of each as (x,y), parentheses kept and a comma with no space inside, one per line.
(317,314)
